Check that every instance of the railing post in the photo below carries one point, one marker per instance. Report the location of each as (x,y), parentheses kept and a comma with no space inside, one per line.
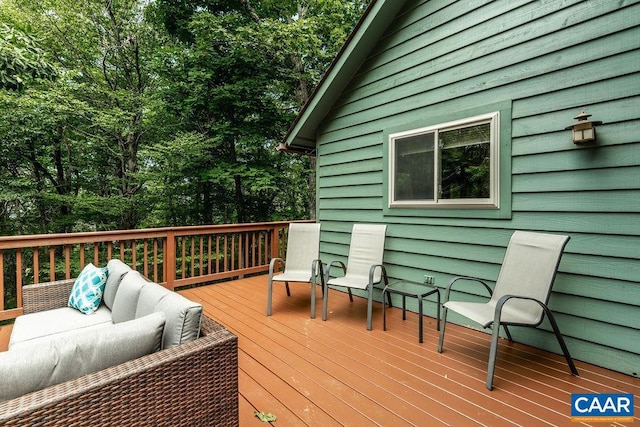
(1,280)
(170,260)
(275,242)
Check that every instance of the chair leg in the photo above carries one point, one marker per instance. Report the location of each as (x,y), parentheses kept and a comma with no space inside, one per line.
(350,295)
(269,296)
(563,346)
(325,301)
(370,309)
(443,323)
(286,284)
(313,299)
(492,356)
(506,330)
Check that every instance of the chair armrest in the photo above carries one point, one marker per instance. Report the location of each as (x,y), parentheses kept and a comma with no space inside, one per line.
(46,296)
(335,264)
(504,298)
(383,275)
(317,269)
(272,265)
(465,278)
(195,383)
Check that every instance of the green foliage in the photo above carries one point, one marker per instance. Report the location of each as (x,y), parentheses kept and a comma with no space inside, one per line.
(161,113)
(21,59)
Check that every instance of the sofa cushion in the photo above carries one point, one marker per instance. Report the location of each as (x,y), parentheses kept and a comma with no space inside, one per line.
(183,316)
(126,300)
(117,269)
(87,290)
(51,322)
(52,360)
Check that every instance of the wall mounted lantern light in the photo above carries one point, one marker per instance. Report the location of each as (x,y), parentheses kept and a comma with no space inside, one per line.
(583,130)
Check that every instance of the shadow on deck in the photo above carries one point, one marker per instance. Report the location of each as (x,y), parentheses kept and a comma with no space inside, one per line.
(309,372)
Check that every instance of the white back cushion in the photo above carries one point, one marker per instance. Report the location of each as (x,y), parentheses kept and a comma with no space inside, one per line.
(34,365)
(183,316)
(116,270)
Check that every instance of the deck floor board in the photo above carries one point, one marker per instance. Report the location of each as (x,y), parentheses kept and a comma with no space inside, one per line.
(310,372)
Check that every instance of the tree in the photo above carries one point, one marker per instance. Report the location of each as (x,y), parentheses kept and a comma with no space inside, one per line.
(161,112)
(243,71)
(102,50)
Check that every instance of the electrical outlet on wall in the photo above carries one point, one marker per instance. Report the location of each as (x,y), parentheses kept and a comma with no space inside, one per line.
(428,280)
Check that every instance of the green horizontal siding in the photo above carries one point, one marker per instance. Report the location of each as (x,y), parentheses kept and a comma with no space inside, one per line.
(577,159)
(501,71)
(625,224)
(616,178)
(549,60)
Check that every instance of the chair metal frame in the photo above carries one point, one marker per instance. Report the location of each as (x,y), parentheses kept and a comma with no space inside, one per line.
(500,301)
(298,273)
(377,271)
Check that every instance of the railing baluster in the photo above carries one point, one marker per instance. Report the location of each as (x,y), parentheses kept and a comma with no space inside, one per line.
(96,254)
(36,265)
(134,258)
(1,280)
(145,257)
(67,261)
(225,254)
(169,264)
(155,259)
(201,269)
(81,254)
(193,256)
(209,242)
(217,253)
(184,256)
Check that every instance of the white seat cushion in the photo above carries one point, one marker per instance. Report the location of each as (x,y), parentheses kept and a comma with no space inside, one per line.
(51,322)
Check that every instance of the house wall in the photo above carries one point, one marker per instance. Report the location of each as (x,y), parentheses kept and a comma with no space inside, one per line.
(540,63)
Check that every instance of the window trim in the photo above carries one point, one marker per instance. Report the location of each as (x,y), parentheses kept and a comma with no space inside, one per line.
(493,202)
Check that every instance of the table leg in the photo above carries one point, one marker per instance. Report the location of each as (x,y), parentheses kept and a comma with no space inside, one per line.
(384,313)
(438,310)
(420,319)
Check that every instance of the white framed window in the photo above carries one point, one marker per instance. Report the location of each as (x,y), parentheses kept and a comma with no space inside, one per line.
(452,165)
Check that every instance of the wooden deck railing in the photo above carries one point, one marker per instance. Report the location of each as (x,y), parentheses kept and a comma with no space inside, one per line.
(173,257)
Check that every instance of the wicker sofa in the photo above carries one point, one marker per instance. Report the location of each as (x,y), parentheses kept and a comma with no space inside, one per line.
(191,384)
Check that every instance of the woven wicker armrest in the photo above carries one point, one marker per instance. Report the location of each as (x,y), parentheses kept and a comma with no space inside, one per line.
(193,384)
(46,296)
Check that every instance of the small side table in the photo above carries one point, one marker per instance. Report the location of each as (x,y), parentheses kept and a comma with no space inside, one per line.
(408,288)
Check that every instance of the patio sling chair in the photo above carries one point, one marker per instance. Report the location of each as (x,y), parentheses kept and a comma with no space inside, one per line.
(520,295)
(364,267)
(302,263)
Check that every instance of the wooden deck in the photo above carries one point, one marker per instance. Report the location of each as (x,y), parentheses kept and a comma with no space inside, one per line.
(309,372)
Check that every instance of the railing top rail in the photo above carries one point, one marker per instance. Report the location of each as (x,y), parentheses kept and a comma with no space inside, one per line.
(13,242)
